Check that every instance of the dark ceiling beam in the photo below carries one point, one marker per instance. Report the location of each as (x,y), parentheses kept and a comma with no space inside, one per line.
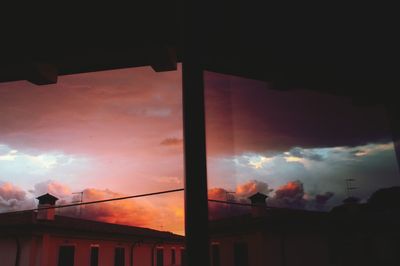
(102,60)
(42,73)
(345,56)
(163,59)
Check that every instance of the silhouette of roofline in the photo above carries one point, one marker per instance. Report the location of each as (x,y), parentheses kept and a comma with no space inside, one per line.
(27,222)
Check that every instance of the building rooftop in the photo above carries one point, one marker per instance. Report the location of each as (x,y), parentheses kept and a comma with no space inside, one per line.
(258,198)
(275,219)
(356,217)
(26,222)
(47,198)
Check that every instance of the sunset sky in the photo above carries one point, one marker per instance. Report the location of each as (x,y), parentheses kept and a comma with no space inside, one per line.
(108,134)
(117,133)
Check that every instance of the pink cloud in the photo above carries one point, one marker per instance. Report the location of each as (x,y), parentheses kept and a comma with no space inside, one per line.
(163,212)
(52,187)
(290,195)
(128,212)
(9,191)
(13,198)
(251,187)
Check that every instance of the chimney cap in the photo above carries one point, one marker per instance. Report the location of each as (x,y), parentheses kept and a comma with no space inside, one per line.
(258,198)
(47,199)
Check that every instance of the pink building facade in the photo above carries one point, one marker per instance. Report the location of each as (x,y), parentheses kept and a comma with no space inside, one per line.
(65,241)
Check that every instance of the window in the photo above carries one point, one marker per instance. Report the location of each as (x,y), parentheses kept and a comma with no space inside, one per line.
(240,254)
(303,149)
(160,257)
(119,257)
(94,256)
(183,257)
(66,256)
(293,154)
(173,258)
(97,136)
(215,255)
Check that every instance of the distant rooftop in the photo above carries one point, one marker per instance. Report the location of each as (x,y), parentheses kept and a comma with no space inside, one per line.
(27,222)
(274,219)
(47,199)
(297,220)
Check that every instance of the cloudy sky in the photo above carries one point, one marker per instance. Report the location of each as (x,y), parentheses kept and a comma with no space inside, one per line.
(297,146)
(118,133)
(111,133)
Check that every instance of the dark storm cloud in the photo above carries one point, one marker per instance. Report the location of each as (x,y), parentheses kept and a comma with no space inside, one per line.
(302,153)
(321,199)
(251,117)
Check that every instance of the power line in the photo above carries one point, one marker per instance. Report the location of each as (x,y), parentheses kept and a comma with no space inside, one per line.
(100,201)
(231,202)
(136,196)
(240,203)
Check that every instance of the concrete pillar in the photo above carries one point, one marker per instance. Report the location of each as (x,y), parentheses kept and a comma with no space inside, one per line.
(196,207)
(196,199)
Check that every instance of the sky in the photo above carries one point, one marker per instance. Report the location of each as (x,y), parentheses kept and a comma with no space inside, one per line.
(296,146)
(119,133)
(108,134)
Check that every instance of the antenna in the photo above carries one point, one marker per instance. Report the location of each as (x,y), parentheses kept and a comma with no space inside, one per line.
(226,198)
(229,192)
(79,201)
(349,186)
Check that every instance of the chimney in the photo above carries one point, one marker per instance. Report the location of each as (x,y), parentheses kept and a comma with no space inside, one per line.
(259,207)
(45,201)
(352,205)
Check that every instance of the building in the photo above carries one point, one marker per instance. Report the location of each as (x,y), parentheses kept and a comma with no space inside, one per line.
(341,49)
(270,236)
(45,239)
(366,233)
(350,234)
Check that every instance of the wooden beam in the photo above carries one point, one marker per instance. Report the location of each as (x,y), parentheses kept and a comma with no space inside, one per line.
(163,59)
(42,73)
